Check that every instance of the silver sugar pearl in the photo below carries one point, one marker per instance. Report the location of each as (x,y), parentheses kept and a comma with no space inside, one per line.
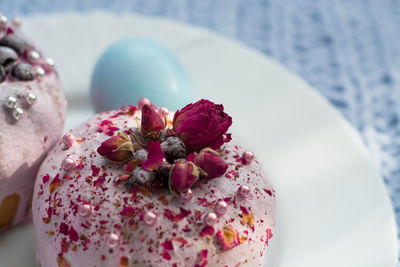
(18,113)
(113,240)
(3,21)
(49,62)
(11,102)
(34,56)
(40,71)
(16,22)
(31,98)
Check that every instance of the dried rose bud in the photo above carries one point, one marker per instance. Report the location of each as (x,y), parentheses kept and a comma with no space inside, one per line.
(152,123)
(143,177)
(211,163)
(202,124)
(118,148)
(183,175)
(173,148)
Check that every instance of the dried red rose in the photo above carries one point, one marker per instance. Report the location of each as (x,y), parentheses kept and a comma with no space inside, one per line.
(183,175)
(152,123)
(118,148)
(211,163)
(202,124)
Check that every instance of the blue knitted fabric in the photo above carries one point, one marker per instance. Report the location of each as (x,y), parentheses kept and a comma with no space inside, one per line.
(349,50)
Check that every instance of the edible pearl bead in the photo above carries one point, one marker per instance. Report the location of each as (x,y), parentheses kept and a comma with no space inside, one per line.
(221,207)
(85,210)
(3,21)
(18,113)
(68,164)
(34,56)
(40,71)
(68,139)
(247,157)
(186,195)
(31,98)
(113,240)
(143,101)
(49,62)
(244,191)
(150,218)
(11,102)
(16,22)
(210,218)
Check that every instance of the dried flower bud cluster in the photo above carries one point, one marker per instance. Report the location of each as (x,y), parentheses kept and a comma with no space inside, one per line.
(199,128)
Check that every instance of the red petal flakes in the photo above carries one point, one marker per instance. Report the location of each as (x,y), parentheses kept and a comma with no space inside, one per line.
(207,230)
(95,170)
(166,255)
(107,127)
(73,235)
(125,110)
(46,178)
(54,184)
(167,245)
(124,262)
(61,262)
(64,229)
(269,235)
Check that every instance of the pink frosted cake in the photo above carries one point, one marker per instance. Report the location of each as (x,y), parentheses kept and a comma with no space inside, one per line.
(31,120)
(141,186)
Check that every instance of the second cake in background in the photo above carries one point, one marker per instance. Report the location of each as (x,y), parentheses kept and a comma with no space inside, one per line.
(32,116)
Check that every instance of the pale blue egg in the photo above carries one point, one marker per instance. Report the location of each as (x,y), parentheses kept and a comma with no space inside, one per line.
(138,67)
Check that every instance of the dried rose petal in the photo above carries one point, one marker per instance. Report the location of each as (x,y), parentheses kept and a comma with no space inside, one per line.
(55,184)
(107,127)
(131,165)
(228,237)
(125,110)
(73,235)
(155,156)
(247,219)
(207,230)
(202,124)
(61,262)
(167,245)
(152,122)
(124,262)
(211,162)
(118,148)
(183,175)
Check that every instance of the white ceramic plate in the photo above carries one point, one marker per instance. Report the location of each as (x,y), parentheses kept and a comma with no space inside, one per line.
(333,209)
